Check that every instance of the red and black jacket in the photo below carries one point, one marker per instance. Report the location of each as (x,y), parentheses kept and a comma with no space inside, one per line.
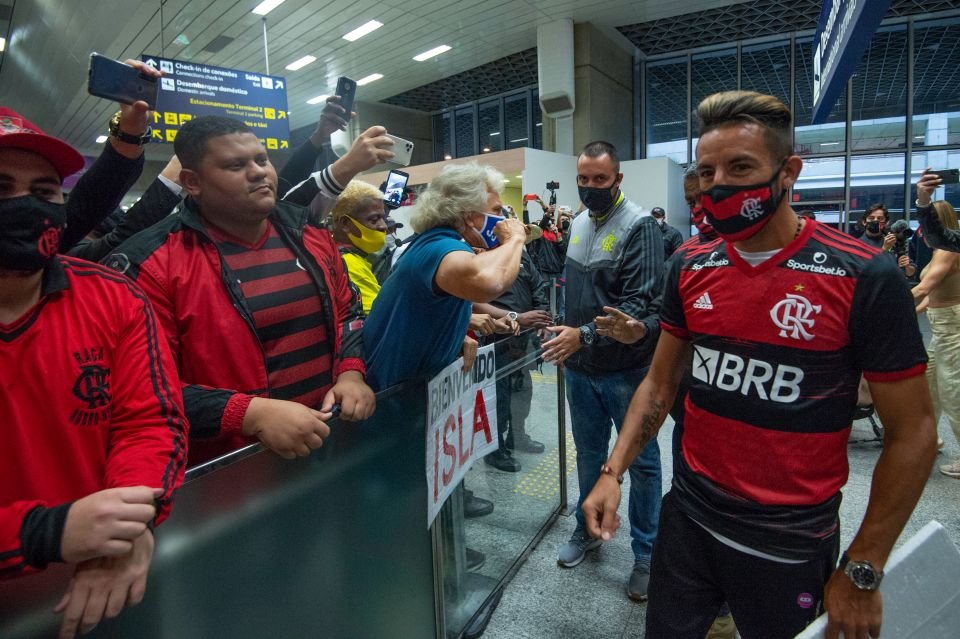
(210,327)
(90,400)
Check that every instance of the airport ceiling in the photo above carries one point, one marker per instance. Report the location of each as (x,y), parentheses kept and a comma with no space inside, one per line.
(43,67)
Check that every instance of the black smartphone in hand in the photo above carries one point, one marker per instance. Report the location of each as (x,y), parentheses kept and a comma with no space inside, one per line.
(948,176)
(347,90)
(114,80)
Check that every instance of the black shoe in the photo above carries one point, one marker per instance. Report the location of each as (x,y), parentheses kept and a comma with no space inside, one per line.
(524,444)
(475,559)
(474,507)
(502,460)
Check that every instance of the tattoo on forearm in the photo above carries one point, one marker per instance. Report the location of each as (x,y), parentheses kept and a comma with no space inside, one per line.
(650,422)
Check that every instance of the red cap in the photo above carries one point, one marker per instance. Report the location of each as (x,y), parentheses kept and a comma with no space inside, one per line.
(17,132)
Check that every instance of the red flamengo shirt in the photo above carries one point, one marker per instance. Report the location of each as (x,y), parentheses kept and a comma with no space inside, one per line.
(90,399)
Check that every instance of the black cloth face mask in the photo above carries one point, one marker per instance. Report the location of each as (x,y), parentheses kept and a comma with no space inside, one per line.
(30,230)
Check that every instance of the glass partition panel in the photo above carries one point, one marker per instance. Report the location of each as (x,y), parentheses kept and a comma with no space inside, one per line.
(515,118)
(876,179)
(711,73)
(464,123)
(936,82)
(879,92)
(829,137)
(481,550)
(667,112)
(442,137)
(821,179)
(330,545)
(491,135)
(765,68)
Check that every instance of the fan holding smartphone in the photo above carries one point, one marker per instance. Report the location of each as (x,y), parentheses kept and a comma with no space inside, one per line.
(134,85)
(936,235)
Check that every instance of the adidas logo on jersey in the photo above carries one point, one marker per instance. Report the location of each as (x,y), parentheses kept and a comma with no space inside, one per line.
(704,302)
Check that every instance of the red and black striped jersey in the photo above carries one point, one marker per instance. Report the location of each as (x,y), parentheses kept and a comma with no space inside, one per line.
(287,314)
(778,350)
(90,400)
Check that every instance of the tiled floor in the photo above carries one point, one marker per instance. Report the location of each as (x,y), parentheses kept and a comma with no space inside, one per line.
(546,601)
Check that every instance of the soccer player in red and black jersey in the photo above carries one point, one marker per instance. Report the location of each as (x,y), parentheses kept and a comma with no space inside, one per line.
(778,314)
(93,433)
(256,303)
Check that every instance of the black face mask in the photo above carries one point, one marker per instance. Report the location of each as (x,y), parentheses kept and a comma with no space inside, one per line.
(597,201)
(874,226)
(564,225)
(30,230)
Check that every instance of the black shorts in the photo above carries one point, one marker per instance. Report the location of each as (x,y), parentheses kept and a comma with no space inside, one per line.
(693,573)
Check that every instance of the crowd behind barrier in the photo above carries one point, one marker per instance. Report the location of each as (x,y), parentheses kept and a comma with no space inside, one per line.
(245,315)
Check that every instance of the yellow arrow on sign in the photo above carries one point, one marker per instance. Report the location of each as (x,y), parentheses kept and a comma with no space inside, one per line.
(284,144)
(156,133)
(156,117)
(282,115)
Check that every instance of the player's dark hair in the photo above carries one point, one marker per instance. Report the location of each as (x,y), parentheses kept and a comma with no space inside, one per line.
(599,148)
(733,107)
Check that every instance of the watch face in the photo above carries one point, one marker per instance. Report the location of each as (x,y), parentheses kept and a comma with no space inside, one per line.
(863,576)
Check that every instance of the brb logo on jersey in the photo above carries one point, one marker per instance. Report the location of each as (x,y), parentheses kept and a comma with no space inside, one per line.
(729,372)
(792,316)
(92,387)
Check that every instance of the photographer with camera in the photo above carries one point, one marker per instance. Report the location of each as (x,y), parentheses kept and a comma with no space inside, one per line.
(550,251)
(937,235)
(893,240)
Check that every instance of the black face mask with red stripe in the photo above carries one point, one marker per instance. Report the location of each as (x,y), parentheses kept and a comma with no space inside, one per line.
(739,212)
(30,230)
(698,215)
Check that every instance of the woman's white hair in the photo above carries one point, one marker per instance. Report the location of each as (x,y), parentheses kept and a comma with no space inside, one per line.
(459,189)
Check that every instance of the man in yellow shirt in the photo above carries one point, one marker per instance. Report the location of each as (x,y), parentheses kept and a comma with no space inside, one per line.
(360,229)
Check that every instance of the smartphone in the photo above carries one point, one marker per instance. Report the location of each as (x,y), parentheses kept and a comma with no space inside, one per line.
(114,80)
(402,150)
(347,90)
(948,176)
(393,192)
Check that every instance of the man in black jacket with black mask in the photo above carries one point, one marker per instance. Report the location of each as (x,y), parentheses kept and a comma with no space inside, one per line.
(614,258)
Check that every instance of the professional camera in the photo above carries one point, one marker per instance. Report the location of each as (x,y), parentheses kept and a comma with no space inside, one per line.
(552,187)
(902,232)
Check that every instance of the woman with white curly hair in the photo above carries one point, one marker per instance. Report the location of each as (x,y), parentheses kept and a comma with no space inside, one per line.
(418,324)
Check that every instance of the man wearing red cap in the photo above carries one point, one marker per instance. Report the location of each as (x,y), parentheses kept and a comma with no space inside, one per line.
(100,189)
(94,438)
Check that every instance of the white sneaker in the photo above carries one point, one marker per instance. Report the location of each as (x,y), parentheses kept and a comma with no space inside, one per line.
(952,469)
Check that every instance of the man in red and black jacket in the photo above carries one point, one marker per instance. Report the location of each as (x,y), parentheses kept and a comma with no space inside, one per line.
(256,304)
(94,437)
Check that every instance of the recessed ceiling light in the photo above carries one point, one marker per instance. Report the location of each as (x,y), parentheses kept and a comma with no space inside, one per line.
(519,140)
(266,7)
(363,30)
(296,65)
(448,157)
(3,44)
(494,133)
(520,177)
(426,55)
(506,180)
(101,139)
(373,77)
(318,99)
(486,149)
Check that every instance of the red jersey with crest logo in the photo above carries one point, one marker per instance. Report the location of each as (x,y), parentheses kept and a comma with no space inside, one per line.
(90,400)
(778,350)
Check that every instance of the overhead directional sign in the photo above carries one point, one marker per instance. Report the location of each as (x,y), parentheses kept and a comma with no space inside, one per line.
(189,90)
(843,34)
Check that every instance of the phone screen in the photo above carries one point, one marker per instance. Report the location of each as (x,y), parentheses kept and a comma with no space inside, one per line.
(347,90)
(396,183)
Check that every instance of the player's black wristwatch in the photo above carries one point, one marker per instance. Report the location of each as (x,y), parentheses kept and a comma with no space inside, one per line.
(862,573)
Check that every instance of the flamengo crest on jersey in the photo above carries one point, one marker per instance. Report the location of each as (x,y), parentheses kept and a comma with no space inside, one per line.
(792,316)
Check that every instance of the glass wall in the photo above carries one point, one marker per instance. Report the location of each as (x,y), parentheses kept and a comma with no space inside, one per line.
(866,130)
(509,121)
(666,107)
